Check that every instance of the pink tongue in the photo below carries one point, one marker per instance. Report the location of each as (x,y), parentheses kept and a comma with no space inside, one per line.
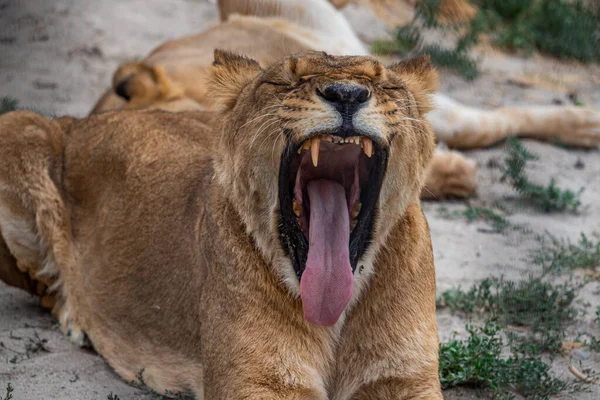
(327,282)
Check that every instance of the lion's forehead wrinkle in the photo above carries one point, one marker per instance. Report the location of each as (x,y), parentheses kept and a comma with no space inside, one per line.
(315,63)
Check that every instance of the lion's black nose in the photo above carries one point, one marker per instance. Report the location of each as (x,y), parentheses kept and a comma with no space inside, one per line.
(345,97)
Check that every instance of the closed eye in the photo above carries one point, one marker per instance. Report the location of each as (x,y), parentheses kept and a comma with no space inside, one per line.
(276,83)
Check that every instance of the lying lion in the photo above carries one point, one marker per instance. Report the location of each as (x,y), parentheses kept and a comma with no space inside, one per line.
(232,260)
(173,77)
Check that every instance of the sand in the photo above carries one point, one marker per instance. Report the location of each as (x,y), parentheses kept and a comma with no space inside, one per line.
(58,57)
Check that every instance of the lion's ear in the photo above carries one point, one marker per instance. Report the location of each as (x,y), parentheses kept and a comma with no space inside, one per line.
(420,77)
(230,74)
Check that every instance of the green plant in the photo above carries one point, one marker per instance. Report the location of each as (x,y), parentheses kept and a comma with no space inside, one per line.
(7,104)
(561,28)
(478,361)
(478,213)
(9,391)
(548,198)
(593,344)
(540,306)
(562,255)
(409,40)
(112,397)
(35,345)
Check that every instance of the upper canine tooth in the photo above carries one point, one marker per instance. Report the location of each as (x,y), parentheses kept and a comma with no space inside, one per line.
(356,210)
(297,209)
(315,144)
(367,146)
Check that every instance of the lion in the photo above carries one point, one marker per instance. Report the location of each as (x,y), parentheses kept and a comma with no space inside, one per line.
(173,77)
(234,260)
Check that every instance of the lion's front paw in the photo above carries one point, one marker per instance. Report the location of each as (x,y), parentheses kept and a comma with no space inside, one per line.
(450,175)
(69,327)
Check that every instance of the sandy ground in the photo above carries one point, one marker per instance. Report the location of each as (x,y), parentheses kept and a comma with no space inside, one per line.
(58,56)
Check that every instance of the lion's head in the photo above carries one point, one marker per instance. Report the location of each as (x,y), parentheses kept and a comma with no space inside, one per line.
(320,156)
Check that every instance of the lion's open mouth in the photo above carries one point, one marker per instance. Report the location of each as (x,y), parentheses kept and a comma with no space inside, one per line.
(328,189)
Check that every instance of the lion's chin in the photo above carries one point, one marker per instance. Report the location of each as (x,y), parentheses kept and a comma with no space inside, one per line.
(328,189)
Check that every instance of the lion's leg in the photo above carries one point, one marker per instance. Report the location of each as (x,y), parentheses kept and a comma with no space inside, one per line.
(397,356)
(33,220)
(393,389)
(13,276)
(450,174)
(465,127)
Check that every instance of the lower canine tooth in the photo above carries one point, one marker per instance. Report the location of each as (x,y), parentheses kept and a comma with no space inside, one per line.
(353,225)
(297,209)
(315,145)
(356,210)
(367,146)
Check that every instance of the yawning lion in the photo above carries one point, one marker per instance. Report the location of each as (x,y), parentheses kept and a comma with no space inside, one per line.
(275,249)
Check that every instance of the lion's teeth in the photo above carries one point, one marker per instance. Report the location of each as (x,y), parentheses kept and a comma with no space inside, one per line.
(306,145)
(356,210)
(353,225)
(315,144)
(297,208)
(328,138)
(367,146)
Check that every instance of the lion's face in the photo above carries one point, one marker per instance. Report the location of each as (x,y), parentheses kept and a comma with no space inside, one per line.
(320,156)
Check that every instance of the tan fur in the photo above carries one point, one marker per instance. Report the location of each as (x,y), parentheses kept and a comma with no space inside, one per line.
(161,229)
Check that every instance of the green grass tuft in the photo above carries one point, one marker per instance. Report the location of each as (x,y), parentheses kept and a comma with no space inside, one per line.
(548,198)
(112,396)
(542,307)
(9,392)
(564,256)
(497,221)
(478,361)
(8,104)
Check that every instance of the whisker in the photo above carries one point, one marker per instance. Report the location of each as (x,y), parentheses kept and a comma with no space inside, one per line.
(263,127)
(260,116)
(266,123)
